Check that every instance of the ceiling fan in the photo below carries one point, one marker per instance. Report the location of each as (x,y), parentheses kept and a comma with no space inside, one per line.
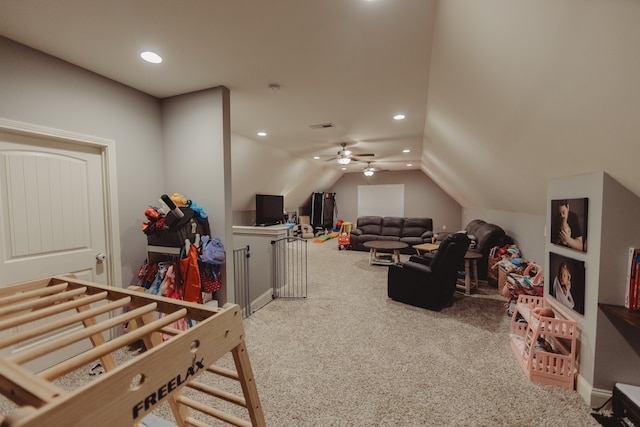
(345,156)
(370,170)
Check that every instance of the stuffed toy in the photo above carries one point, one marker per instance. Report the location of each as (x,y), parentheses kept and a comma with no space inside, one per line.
(179,199)
(542,311)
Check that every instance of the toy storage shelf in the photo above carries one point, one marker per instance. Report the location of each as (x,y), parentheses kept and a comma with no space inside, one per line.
(632,317)
(555,367)
(53,313)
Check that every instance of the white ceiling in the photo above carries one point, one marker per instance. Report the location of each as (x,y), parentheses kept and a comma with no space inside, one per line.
(519,92)
(352,63)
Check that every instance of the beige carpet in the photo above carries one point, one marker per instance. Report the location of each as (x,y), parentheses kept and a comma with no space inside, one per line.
(349,356)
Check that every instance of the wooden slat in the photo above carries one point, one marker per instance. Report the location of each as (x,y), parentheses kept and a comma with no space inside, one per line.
(219,370)
(24,287)
(125,393)
(72,337)
(60,323)
(220,394)
(180,412)
(228,418)
(249,390)
(97,339)
(113,345)
(192,422)
(35,293)
(160,365)
(23,388)
(42,302)
(31,316)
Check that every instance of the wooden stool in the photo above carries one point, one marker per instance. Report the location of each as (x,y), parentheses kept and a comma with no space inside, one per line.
(470,261)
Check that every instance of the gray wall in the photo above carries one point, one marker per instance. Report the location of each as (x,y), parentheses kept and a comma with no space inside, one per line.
(39,89)
(197,147)
(422,198)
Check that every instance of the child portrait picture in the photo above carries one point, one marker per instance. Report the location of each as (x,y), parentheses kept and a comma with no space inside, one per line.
(569,223)
(567,285)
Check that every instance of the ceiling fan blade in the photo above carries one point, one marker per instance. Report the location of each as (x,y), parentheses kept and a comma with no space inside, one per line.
(363,155)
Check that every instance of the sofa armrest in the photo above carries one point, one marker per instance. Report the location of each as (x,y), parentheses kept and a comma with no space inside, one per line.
(356,232)
(416,267)
(422,259)
(427,234)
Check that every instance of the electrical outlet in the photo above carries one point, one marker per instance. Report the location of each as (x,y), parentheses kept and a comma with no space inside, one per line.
(444,227)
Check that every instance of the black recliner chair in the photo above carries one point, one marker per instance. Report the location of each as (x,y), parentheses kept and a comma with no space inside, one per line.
(429,282)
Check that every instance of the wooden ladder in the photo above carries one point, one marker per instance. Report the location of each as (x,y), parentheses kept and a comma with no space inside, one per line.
(174,359)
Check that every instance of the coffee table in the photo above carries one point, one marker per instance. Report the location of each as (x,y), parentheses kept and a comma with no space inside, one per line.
(426,247)
(379,245)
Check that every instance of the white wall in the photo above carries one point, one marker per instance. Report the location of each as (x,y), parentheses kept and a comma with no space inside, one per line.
(527,230)
(423,198)
(617,353)
(606,354)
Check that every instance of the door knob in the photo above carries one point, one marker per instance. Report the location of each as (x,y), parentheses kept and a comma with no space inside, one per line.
(101,257)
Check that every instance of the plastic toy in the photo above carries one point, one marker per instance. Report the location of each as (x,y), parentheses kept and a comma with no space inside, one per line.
(344,237)
(537,269)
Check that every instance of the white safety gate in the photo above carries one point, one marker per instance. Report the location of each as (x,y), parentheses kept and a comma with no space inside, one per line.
(289,270)
(241,274)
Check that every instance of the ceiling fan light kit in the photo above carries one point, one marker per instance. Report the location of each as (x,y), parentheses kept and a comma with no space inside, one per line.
(369,170)
(345,156)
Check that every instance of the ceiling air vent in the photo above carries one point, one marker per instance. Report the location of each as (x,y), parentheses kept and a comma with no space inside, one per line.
(322,126)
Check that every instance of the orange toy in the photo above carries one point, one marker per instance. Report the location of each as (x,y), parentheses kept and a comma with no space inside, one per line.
(344,237)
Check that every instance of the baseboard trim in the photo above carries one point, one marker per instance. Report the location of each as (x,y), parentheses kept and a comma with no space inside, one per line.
(594,397)
(262,300)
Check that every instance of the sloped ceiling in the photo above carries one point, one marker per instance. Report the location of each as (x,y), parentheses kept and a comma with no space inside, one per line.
(503,94)
(524,91)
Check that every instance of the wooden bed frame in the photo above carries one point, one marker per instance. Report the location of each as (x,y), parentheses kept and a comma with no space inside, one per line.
(128,391)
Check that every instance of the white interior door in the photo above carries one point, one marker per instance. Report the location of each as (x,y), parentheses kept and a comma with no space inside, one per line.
(52,214)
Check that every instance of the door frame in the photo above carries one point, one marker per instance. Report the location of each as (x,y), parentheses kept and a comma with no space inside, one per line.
(107,149)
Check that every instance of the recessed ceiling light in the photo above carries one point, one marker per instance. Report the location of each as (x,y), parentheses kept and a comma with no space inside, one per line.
(343,169)
(152,57)
(406,150)
(399,116)
(409,165)
(262,133)
(316,157)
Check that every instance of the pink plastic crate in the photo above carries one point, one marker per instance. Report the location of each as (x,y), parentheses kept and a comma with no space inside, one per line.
(555,367)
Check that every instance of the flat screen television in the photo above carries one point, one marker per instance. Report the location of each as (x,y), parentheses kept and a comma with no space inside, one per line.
(269,209)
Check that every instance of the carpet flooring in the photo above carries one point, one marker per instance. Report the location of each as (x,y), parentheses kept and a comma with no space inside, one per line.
(347,355)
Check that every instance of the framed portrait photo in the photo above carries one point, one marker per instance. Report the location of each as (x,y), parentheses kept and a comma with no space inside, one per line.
(567,276)
(569,218)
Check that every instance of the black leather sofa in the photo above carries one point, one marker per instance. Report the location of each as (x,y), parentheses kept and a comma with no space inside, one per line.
(412,231)
(484,237)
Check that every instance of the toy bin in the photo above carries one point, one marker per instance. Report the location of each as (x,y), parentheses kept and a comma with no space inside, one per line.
(545,347)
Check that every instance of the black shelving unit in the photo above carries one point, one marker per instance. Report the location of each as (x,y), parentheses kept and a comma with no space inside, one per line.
(322,206)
